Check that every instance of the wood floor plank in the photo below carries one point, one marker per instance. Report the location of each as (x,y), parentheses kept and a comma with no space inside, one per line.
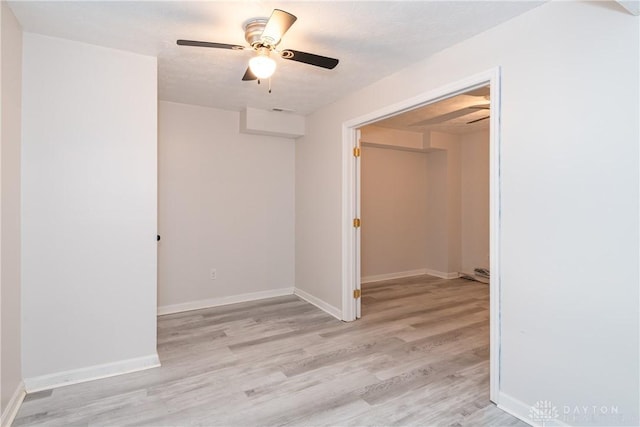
(419,356)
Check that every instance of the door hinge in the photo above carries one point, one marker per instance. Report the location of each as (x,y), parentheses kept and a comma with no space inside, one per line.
(357,293)
(356,222)
(356,151)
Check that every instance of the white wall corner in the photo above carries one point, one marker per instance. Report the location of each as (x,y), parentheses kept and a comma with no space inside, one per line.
(272,123)
(633,6)
(443,274)
(75,376)
(335,312)
(217,302)
(426,140)
(13,406)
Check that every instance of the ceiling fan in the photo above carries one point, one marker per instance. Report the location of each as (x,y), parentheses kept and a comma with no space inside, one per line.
(264,35)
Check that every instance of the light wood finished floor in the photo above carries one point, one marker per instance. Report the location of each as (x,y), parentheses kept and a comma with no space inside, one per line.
(419,356)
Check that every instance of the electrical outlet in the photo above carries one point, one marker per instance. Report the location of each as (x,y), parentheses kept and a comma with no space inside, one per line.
(214,274)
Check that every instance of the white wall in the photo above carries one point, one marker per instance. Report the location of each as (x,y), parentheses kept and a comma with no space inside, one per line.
(569,202)
(400,138)
(394,211)
(425,211)
(226,202)
(474,221)
(437,241)
(11,51)
(449,178)
(89,210)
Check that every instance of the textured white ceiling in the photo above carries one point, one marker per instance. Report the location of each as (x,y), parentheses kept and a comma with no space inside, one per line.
(371,40)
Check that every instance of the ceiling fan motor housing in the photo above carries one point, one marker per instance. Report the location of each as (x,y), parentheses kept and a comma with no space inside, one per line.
(253,30)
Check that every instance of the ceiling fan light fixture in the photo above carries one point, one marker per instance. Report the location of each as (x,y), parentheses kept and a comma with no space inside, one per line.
(262,65)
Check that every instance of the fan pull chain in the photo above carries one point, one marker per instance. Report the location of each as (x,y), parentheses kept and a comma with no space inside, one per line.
(269,84)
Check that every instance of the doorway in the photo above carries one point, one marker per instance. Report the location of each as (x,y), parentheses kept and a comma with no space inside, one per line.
(351,240)
(425,191)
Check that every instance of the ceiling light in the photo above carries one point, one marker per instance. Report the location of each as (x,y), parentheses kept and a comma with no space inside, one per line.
(262,66)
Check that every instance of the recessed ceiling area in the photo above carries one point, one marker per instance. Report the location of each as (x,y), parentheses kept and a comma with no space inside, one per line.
(464,113)
(371,40)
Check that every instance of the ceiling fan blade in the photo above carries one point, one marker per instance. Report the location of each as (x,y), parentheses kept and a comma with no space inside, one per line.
(310,58)
(481,107)
(248,75)
(478,120)
(209,44)
(278,24)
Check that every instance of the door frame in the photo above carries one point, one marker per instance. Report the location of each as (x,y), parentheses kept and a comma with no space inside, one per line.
(351,273)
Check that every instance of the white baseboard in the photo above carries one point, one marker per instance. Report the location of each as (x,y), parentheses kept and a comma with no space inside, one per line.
(319,303)
(410,273)
(13,406)
(521,410)
(514,407)
(216,302)
(75,376)
(392,276)
(442,275)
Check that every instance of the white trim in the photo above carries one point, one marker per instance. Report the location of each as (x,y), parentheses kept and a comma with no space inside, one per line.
(350,250)
(391,276)
(514,407)
(409,273)
(216,302)
(442,274)
(495,295)
(96,372)
(335,312)
(357,231)
(520,410)
(13,406)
